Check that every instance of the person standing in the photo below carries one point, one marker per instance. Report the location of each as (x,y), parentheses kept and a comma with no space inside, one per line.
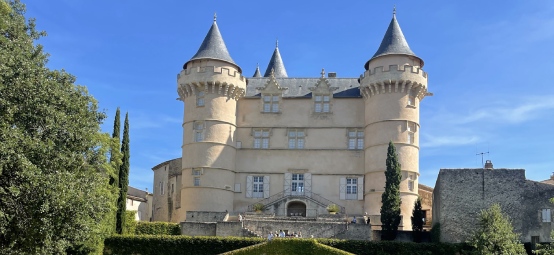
(282,234)
(269,236)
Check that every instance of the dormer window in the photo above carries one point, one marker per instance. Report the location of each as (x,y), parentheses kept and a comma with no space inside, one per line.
(322,103)
(200,98)
(270,103)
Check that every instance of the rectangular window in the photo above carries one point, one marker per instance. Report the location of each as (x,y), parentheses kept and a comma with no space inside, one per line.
(355,139)
(322,103)
(258,187)
(412,128)
(199,131)
(352,188)
(196,181)
(196,172)
(297,184)
(261,138)
(271,103)
(546,216)
(411,181)
(200,98)
(296,138)
(411,101)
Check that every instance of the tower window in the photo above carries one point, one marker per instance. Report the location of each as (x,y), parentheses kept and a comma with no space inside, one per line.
(411,181)
(412,128)
(355,139)
(411,101)
(200,98)
(271,103)
(197,181)
(322,104)
(261,138)
(199,131)
(296,138)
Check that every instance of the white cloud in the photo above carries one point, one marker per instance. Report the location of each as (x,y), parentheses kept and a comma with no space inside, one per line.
(431,141)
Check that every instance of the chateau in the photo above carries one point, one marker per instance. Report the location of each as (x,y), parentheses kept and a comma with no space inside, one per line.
(293,145)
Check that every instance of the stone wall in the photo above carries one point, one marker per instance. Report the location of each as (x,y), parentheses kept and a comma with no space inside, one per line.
(316,228)
(460,195)
(200,216)
(198,228)
(229,228)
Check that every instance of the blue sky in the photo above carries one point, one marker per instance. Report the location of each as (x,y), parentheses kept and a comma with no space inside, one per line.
(489,65)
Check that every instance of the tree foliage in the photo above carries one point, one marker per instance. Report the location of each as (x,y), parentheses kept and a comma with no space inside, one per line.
(114,153)
(495,234)
(417,220)
(123,178)
(54,191)
(390,210)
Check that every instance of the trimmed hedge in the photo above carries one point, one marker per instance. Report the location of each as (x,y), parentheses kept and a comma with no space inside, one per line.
(159,244)
(397,248)
(157,228)
(295,246)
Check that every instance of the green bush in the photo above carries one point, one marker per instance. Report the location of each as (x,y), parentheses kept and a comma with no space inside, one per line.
(157,228)
(164,244)
(436,233)
(289,246)
(130,222)
(396,248)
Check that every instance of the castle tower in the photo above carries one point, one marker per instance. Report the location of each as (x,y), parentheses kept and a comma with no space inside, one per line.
(209,85)
(276,64)
(392,86)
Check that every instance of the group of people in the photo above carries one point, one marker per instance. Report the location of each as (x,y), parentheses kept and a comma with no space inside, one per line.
(282,234)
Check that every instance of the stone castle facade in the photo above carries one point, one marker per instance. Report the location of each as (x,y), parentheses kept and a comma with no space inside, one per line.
(294,145)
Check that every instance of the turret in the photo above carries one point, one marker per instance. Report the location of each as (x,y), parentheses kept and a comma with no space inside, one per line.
(276,64)
(257,73)
(209,85)
(392,86)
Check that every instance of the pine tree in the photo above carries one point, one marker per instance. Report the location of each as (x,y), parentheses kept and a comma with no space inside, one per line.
(123,178)
(390,210)
(495,234)
(417,220)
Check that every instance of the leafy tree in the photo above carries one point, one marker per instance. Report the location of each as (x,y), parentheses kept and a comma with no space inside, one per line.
(54,173)
(123,178)
(495,234)
(417,220)
(390,210)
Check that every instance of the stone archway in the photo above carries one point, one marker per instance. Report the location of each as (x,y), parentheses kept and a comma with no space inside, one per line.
(296,208)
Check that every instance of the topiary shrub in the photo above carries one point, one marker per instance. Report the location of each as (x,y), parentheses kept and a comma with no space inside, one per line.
(157,228)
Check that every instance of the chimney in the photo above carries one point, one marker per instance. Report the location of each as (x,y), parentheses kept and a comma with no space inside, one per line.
(488,164)
(331,75)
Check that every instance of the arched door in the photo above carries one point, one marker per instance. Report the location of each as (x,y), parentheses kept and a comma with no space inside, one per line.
(296,208)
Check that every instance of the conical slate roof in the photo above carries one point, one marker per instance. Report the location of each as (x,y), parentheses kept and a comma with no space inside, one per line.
(257,73)
(213,47)
(276,63)
(393,43)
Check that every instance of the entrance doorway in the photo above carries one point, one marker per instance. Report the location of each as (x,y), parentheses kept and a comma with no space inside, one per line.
(296,208)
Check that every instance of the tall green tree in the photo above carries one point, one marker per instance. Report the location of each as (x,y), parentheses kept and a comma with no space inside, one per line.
(54,173)
(123,178)
(390,210)
(495,234)
(417,220)
(114,155)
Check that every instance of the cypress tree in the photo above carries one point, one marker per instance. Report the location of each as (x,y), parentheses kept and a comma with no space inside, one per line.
(113,158)
(417,221)
(390,210)
(123,178)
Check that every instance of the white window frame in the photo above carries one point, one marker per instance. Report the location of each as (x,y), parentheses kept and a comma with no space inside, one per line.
(200,96)
(199,127)
(270,103)
(296,138)
(412,101)
(546,215)
(411,127)
(196,181)
(355,139)
(257,186)
(297,184)
(261,138)
(412,177)
(351,188)
(322,103)
(196,171)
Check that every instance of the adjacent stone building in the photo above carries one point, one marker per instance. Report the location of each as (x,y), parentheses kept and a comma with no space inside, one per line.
(139,201)
(294,145)
(460,195)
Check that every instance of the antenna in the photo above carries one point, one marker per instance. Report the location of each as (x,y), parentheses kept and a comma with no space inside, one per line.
(482,154)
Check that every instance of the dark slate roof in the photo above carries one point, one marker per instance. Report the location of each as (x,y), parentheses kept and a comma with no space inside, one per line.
(393,43)
(276,63)
(298,87)
(257,73)
(213,47)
